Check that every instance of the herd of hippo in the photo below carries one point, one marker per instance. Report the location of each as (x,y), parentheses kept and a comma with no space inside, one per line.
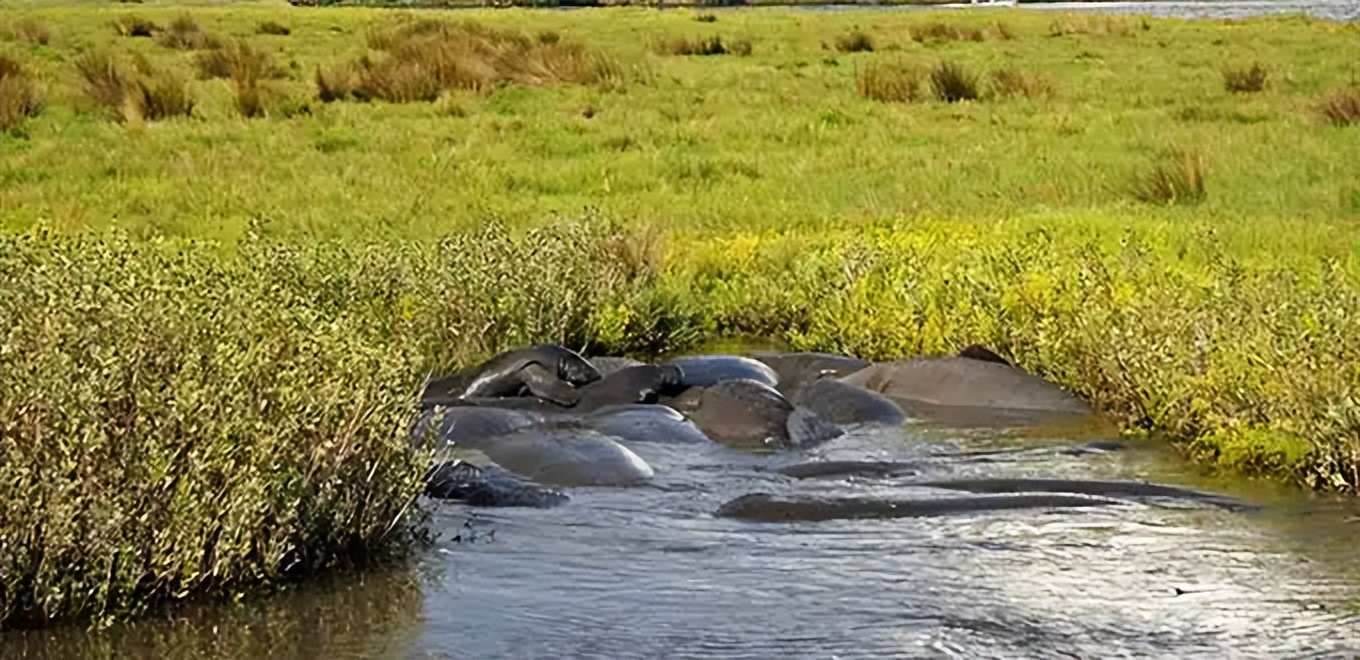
(544,418)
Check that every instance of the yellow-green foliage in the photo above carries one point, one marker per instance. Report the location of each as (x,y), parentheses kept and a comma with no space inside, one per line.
(173,421)
(178,419)
(1199,333)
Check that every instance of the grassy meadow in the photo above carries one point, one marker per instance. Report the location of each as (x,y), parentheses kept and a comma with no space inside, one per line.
(234,237)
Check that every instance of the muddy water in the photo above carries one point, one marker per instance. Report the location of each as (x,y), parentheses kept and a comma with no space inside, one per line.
(650,572)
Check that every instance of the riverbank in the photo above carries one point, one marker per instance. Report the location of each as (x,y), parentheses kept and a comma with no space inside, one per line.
(1104,213)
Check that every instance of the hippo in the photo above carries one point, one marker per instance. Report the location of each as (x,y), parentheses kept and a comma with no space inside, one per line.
(565,454)
(962,391)
(643,383)
(1138,490)
(488,486)
(608,364)
(645,423)
(794,370)
(750,414)
(705,370)
(765,507)
(547,371)
(471,425)
(842,403)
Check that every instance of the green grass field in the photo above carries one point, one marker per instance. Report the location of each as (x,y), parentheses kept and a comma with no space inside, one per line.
(216,320)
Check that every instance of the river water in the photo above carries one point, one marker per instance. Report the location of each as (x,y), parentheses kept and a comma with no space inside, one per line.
(652,573)
(1333,10)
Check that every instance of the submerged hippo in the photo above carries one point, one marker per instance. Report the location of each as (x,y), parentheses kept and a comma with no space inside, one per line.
(764,507)
(470,425)
(749,414)
(646,423)
(565,454)
(1136,490)
(962,391)
(706,370)
(794,370)
(488,486)
(643,383)
(547,371)
(842,403)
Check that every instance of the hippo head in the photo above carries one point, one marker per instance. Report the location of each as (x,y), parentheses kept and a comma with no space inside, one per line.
(577,371)
(670,380)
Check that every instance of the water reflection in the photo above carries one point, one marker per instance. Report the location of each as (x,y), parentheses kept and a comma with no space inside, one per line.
(371,615)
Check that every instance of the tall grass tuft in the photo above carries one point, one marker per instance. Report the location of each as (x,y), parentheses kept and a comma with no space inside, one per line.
(1176,178)
(891,82)
(1089,24)
(941,31)
(236,60)
(1011,82)
(855,41)
(129,96)
(713,45)
(336,83)
(1245,79)
(1341,107)
(27,29)
(135,26)
(184,33)
(425,58)
(20,97)
(273,27)
(953,82)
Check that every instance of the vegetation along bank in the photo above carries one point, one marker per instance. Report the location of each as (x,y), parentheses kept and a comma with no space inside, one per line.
(236,238)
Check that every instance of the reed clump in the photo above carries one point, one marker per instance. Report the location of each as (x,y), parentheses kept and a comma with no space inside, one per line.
(1341,107)
(713,45)
(891,82)
(184,33)
(855,41)
(136,93)
(20,95)
(135,26)
(1242,80)
(1176,177)
(425,58)
(29,30)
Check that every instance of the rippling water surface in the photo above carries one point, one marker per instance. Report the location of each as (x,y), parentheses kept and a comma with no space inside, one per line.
(650,572)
